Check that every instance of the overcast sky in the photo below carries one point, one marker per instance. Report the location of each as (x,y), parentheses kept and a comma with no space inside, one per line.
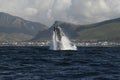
(75,11)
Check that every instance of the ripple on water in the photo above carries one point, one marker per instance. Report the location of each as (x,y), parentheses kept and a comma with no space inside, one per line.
(38,63)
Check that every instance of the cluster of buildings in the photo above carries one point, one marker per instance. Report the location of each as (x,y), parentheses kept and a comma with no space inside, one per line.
(25,43)
(103,43)
(47,43)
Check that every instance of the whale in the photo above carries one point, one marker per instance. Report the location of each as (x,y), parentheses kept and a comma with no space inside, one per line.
(60,41)
(58,32)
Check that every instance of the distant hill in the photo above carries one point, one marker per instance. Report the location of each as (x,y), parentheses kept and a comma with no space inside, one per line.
(107,30)
(47,34)
(14,37)
(16,26)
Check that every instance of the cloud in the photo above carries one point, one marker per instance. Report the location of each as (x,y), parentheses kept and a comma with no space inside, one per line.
(30,11)
(76,11)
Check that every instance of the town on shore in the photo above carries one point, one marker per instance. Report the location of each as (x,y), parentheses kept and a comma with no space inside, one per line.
(47,43)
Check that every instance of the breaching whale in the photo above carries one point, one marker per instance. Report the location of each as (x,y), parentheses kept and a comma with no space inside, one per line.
(60,41)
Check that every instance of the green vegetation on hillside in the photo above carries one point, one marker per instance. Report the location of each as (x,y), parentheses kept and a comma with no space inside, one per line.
(109,31)
(14,37)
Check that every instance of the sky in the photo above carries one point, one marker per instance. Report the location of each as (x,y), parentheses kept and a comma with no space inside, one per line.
(74,11)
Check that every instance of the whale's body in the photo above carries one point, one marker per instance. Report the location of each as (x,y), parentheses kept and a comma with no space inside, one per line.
(60,41)
(58,33)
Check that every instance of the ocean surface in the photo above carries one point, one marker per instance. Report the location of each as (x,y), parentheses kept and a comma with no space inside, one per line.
(39,63)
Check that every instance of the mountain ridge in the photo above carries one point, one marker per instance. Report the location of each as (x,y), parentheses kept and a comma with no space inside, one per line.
(10,24)
(19,24)
(105,30)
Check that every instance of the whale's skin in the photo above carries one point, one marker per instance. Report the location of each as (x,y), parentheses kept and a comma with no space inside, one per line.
(58,32)
(60,41)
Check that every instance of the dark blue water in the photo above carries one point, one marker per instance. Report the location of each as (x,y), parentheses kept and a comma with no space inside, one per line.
(39,63)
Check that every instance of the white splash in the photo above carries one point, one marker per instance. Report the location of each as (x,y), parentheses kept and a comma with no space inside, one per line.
(60,41)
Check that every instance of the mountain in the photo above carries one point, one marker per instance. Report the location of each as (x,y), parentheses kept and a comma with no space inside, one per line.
(14,37)
(47,34)
(13,25)
(107,30)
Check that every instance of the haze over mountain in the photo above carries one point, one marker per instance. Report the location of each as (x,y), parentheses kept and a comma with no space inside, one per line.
(107,30)
(16,28)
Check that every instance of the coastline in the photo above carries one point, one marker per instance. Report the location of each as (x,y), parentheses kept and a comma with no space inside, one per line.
(47,43)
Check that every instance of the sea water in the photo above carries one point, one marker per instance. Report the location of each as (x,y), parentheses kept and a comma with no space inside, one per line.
(40,63)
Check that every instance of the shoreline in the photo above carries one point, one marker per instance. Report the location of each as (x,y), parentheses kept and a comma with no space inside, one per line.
(47,43)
